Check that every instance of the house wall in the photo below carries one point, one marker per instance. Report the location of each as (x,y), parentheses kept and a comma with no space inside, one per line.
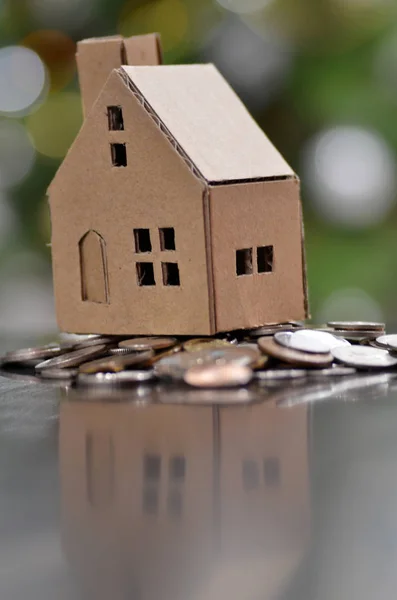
(251,216)
(156,189)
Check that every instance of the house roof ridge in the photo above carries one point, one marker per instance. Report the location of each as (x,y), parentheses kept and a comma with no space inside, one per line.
(160,124)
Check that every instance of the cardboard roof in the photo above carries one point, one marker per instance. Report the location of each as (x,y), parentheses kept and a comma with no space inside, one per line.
(209,122)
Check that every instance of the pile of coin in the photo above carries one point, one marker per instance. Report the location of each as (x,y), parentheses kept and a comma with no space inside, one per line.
(274,353)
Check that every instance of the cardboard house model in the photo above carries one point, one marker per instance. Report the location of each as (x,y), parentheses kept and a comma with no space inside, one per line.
(172,212)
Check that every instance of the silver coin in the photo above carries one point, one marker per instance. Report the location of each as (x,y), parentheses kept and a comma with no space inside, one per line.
(95,340)
(59,373)
(120,351)
(280,374)
(387,341)
(308,340)
(272,329)
(121,378)
(148,343)
(218,376)
(72,359)
(335,371)
(30,355)
(295,357)
(356,325)
(176,365)
(365,357)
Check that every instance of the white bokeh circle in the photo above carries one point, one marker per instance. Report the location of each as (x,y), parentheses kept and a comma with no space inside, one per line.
(23,80)
(350,173)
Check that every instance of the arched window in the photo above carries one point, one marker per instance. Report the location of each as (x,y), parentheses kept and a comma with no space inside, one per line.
(93,266)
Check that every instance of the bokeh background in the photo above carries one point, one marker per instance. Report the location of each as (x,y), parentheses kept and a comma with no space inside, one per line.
(320,76)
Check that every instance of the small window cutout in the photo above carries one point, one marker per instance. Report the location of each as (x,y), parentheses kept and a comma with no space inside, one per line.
(265,259)
(145,273)
(167,238)
(115,118)
(142,240)
(150,500)
(170,274)
(151,467)
(177,468)
(250,475)
(119,155)
(272,474)
(244,262)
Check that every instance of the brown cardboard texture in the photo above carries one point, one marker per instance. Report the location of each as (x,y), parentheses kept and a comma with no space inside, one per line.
(97,57)
(193,217)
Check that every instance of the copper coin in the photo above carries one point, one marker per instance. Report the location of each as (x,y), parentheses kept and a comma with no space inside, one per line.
(295,357)
(218,376)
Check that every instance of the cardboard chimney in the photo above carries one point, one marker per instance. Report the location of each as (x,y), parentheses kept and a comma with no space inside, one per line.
(172,212)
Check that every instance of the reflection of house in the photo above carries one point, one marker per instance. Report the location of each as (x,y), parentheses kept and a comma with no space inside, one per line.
(173,212)
(160,499)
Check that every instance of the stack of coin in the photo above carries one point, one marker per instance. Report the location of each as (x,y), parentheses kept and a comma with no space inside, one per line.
(272,355)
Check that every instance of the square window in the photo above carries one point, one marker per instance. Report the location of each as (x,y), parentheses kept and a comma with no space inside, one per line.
(177,468)
(170,274)
(142,240)
(145,273)
(119,155)
(115,118)
(244,261)
(167,238)
(151,467)
(271,470)
(265,256)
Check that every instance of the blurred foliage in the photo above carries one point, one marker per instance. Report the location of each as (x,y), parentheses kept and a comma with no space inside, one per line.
(342,71)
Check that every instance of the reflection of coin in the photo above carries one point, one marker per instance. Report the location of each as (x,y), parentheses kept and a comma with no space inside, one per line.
(148,343)
(365,357)
(176,395)
(295,357)
(218,376)
(122,378)
(333,372)
(356,325)
(308,340)
(72,359)
(115,364)
(58,373)
(203,344)
(40,353)
(280,374)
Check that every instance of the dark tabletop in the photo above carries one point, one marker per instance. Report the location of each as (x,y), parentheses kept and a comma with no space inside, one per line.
(164,493)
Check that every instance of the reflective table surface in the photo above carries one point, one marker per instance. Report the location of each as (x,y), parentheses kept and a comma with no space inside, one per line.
(276,492)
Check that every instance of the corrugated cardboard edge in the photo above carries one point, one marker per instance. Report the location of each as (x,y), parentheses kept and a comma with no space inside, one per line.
(210,268)
(304,261)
